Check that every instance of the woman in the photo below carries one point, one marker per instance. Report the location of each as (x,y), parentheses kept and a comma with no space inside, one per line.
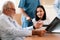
(40,16)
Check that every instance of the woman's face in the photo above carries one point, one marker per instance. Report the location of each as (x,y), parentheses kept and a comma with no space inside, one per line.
(40,12)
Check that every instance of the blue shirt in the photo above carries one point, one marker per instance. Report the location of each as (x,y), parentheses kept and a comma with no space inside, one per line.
(29,6)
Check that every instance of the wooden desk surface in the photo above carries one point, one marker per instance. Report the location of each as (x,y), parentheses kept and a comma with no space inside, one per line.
(45,37)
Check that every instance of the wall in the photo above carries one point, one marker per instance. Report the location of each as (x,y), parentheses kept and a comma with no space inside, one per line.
(49,7)
(16,2)
(47,2)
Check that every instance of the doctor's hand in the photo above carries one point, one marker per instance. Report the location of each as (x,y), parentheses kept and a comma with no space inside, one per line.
(28,18)
(39,32)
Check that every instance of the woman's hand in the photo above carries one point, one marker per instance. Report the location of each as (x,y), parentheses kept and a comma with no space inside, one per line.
(38,24)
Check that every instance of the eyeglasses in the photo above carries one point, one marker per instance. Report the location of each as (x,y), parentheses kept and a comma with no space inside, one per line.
(13,9)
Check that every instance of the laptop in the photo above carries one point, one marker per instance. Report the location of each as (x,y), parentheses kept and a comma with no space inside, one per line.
(54,26)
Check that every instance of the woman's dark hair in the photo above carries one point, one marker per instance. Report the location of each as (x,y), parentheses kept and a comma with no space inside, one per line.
(44,16)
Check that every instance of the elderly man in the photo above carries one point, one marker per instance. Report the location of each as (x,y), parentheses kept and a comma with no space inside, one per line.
(9,29)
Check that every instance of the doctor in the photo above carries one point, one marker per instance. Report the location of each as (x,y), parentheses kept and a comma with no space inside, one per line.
(27,8)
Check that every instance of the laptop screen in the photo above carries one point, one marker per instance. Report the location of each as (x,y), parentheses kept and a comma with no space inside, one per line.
(54,25)
(57,28)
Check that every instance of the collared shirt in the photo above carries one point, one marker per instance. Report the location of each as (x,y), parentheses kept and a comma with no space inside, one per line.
(29,6)
(9,30)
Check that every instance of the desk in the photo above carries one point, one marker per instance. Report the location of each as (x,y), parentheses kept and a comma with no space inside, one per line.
(49,36)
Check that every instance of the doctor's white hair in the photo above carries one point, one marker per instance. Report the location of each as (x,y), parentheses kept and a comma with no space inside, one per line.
(7,4)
